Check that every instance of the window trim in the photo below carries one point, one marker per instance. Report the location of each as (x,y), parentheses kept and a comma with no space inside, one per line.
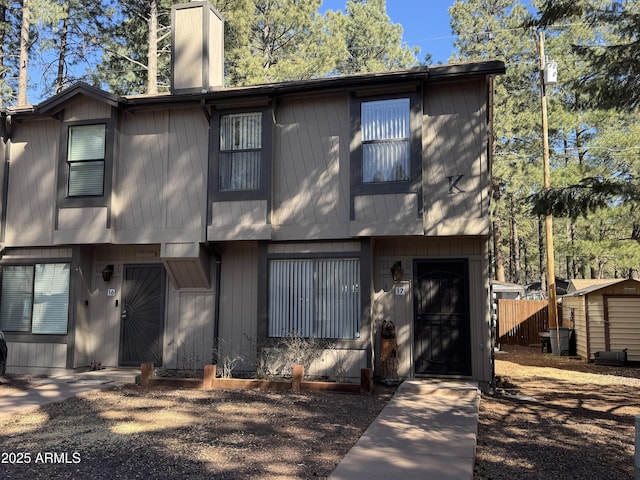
(262,193)
(366,321)
(104,200)
(414,183)
(24,336)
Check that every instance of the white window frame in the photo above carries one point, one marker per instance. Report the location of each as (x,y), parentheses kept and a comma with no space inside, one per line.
(314,298)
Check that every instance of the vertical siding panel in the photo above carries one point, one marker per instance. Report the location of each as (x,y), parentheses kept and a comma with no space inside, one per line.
(480,339)
(238,305)
(189,329)
(596,323)
(86,108)
(625,325)
(187,166)
(454,145)
(34,161)
(142,164)
(311,177)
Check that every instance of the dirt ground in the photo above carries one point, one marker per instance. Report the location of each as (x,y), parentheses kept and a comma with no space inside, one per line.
(160,433)
(550,418)
(557,418)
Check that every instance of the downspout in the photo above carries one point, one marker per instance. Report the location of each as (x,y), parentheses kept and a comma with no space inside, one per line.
(7,132)
(216,325)
(493,321)
(216,309)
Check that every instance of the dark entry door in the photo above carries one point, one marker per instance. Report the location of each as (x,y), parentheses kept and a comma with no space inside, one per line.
(442,321)
(142,315)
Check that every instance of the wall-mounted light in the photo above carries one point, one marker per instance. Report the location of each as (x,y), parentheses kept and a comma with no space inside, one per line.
(107,272)
(396,271)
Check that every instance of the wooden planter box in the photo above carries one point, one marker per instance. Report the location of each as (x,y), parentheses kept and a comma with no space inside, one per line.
(297,383)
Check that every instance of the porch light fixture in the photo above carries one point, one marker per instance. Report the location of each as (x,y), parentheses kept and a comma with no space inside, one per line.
(396,271)
(107,272)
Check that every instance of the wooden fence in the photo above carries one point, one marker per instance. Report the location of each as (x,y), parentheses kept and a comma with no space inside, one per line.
(520,321)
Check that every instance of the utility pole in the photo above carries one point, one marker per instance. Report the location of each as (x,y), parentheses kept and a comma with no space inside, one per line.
(548,221)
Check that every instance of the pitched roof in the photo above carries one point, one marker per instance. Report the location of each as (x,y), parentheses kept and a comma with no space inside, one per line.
(50,105)
(581,283)
(594,287)
(449,72)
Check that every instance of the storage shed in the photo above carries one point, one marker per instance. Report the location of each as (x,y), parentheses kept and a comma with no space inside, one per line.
(605,316)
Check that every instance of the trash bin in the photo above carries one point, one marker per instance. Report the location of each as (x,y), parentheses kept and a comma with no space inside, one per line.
(560,346)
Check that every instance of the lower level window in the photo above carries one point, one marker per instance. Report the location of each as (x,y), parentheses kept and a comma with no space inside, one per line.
(314,298)
(35,298)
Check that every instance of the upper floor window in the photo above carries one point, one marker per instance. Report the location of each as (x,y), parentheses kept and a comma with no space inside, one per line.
(386,140)
(86,160)
(240,165)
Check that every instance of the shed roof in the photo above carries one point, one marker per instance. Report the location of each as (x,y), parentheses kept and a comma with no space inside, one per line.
(580,283)
(597,285)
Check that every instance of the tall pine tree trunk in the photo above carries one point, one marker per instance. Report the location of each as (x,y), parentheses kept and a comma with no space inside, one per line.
(3,35)
(542,257)
(498,255)
(498,252)
(62,52)
(24,55)
(152,53)
(515,245)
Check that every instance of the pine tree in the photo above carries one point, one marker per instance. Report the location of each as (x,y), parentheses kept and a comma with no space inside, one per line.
(68,40)
(495,29)
(9,43)
(25,46)
(289,40)
(128,46)
(374,44)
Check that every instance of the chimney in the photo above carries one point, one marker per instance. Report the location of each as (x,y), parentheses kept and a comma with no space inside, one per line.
(197,47)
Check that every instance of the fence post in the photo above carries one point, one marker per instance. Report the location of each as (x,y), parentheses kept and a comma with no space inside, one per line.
(366,381)
(209,377)
(298,375)
(146,374)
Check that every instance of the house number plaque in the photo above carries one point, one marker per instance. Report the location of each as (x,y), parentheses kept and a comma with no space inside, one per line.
(111,292)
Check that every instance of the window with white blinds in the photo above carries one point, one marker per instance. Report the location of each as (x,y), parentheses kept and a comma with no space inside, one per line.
(51,299)
(35,299)
(314,298)
(240,151)
(386,139)
(85,159)
(16,298)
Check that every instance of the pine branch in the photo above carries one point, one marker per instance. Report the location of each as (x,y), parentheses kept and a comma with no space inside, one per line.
(583,198)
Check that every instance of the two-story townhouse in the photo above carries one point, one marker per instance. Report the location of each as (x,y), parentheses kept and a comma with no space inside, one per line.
(145,228)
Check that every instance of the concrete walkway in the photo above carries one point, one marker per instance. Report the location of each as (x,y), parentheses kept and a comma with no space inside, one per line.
(58,388)
(427,430)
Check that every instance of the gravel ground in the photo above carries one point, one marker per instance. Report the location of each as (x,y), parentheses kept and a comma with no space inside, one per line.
(161,433)
(557,418)
(550,418)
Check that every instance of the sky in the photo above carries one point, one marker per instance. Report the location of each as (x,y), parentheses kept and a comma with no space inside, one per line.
(425,24)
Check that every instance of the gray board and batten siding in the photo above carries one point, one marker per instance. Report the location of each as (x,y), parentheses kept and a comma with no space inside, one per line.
(162,209)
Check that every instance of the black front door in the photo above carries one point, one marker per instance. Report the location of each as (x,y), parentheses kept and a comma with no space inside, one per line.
(142,315)
(442,320)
